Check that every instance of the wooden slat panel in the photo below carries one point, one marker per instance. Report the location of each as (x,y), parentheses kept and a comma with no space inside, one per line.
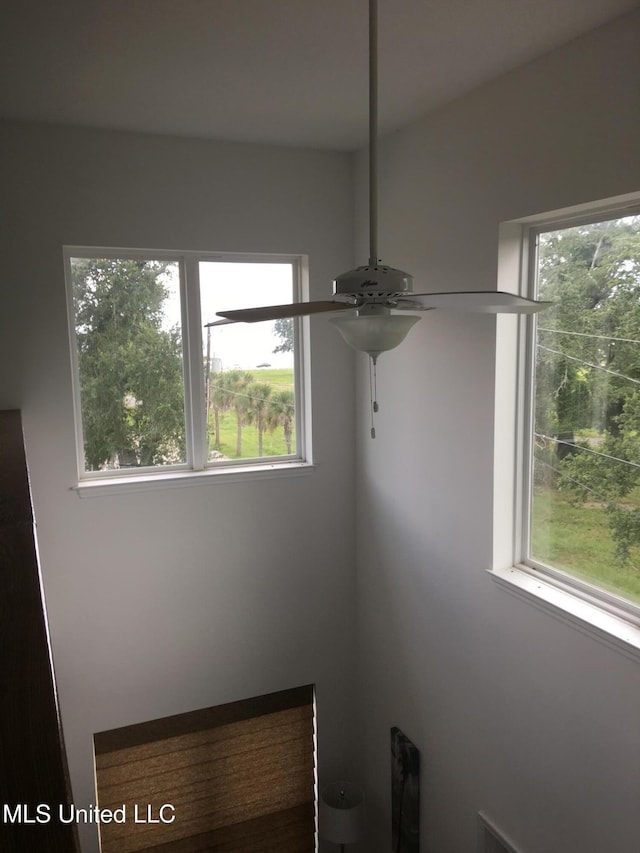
(191,819)
(245,771)
(215,804)
(205,718)
(198,812)
(268,764)
(32,761)
(286,830)
(221,738)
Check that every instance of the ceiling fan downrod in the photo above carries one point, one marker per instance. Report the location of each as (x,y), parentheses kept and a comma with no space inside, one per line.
(373,133)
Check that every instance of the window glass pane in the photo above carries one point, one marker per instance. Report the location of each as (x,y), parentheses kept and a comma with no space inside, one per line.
(585,508)
(249,367)
(129,345)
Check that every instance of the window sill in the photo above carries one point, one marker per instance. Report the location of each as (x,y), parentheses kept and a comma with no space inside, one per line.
(181,479)
(585,615)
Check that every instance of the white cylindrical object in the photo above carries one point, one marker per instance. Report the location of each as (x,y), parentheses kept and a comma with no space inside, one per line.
(341,818)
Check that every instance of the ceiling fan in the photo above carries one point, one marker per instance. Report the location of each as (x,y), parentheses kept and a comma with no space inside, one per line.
(367,295)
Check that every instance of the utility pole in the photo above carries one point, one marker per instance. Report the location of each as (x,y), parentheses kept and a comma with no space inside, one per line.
(208,383)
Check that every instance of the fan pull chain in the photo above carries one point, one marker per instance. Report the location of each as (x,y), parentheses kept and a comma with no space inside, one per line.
(375,383)
(373,389)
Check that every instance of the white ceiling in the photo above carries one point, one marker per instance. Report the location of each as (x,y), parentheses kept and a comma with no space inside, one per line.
(277,71)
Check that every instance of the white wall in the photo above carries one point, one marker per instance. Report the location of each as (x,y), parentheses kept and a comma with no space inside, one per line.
(166,601)
(514,712)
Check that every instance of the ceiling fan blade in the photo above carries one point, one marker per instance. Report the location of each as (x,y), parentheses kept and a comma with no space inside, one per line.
(279,312)
(473,302)
(218,323)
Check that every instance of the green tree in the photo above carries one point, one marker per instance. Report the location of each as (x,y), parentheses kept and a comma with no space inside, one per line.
(221,399)
(283,329)
(588,368)
(239,380)
(281,414)
(258,410)
(131,380)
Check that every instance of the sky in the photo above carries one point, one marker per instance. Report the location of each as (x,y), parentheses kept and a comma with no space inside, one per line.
(229,285)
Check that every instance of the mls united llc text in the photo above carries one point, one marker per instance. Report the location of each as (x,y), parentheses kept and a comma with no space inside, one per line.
(69,813)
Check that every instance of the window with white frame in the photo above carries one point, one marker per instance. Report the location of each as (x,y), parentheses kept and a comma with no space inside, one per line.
(159,389)
(581,510)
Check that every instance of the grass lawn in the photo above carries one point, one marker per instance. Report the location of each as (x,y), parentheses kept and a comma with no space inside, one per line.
(273,443)
(281,378)
(576,539)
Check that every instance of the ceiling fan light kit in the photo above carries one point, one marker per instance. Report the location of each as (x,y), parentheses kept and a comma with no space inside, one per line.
(374,329)
(369,293)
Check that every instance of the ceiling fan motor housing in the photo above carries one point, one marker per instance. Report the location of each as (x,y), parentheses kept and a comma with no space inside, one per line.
(373,280)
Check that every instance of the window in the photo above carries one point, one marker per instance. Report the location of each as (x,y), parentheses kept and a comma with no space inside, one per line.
(581,471)
(158,389)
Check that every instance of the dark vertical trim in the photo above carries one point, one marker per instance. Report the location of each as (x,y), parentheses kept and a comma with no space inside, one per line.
(32,761)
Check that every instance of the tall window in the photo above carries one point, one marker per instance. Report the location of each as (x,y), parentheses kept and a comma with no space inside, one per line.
(158,388)
(582,514)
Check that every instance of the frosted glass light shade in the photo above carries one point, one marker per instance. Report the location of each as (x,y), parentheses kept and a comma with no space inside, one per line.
(374,334)
(341,817)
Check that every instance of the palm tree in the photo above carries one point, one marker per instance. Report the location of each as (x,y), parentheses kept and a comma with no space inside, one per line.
(239,380)
(282,413)
(221,399)
(258,393)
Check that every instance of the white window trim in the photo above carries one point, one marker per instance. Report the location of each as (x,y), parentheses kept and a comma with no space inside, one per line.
(197,469)
(604,616)
(179,479)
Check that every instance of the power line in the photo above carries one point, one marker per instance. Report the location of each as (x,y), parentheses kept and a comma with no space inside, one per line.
(586,335)
(585,487)
(588,449)
(249,396)
(590,364)
(571,479)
